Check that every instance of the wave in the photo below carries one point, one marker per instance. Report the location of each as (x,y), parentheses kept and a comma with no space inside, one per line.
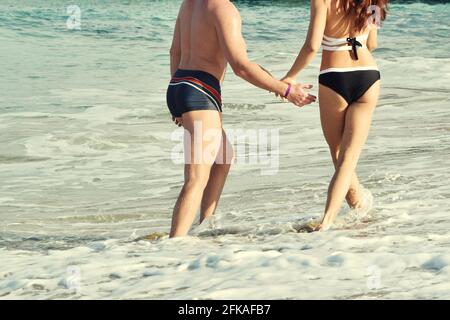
(42,243)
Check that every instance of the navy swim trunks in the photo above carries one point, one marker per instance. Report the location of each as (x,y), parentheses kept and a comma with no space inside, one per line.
(191,90)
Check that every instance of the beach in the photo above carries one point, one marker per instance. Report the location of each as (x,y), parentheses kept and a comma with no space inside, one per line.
(88,168)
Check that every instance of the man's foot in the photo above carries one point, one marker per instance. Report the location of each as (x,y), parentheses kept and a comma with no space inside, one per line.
(155,236)
(307,227)
(207,224)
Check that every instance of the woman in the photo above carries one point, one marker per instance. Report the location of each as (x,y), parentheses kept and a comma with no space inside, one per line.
(349,87)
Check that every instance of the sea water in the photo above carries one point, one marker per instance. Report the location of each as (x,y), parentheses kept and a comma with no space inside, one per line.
(87,162)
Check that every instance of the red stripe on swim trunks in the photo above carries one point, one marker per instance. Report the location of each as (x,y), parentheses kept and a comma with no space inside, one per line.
(200,83)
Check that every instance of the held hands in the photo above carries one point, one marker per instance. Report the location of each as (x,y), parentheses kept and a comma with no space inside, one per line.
(299,97)
(297,94)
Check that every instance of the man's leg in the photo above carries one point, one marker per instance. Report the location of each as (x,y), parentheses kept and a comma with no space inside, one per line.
(203,131)
(217,178)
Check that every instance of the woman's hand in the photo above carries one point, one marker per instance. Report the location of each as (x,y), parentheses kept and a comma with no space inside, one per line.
(289,80)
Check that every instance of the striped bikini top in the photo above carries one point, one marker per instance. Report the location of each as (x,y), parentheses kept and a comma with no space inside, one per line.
(344,44)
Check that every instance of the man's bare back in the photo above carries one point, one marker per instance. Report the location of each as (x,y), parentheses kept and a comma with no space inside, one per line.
(200,47)
(208,35)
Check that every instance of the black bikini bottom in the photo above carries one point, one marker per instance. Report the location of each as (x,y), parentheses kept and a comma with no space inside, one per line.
(351,85)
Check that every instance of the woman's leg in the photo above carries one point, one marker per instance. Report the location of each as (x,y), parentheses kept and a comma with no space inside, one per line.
(357,124)
(217,178)
(203,133)
(333,109)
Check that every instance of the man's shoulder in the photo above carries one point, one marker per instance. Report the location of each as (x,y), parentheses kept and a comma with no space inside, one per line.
(320,2)
(222,9)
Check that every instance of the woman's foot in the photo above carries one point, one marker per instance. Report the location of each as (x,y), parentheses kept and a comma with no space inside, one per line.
(323,227)
(326,223)
(365,204)
(353,197)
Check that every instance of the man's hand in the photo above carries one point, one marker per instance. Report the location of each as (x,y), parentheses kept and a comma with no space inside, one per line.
(299,97)
(178,121)
(287,80)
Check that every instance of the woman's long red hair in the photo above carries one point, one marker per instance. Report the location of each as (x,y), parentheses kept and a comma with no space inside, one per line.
(357,10)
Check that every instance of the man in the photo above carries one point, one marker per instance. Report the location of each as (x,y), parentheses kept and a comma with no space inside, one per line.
(207,37)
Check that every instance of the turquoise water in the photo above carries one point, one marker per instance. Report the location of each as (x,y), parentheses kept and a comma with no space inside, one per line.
(85,148)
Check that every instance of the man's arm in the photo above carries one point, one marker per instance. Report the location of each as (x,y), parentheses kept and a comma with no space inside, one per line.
(313,40)
(229,30)
(175,49)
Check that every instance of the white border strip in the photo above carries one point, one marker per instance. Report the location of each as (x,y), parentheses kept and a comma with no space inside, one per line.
(344,48)
(348,69)
(335,40)
(190,84)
